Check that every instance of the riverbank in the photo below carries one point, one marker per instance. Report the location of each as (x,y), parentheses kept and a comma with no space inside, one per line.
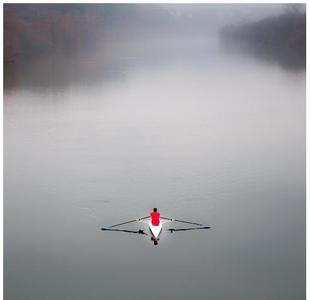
(282,38)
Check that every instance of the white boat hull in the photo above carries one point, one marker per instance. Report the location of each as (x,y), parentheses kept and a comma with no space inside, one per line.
(155,230)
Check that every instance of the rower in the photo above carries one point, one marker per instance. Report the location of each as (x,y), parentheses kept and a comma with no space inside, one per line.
(155,217)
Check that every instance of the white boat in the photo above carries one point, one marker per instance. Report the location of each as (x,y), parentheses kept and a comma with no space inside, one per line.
(155,230)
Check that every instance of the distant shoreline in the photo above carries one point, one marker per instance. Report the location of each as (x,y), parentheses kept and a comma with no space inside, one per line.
(282,38)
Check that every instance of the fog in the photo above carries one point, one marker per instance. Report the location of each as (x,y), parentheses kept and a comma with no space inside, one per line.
(157,110)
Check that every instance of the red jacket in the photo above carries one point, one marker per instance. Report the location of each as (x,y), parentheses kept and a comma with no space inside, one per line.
(155,216)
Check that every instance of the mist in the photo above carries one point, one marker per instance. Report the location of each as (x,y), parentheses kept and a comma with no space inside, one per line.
(113,109)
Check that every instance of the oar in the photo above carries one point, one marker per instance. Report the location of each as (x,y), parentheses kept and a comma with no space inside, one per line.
(185,229)
(140,231)
(127,222)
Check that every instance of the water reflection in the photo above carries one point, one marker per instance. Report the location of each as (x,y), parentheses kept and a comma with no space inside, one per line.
(112,63)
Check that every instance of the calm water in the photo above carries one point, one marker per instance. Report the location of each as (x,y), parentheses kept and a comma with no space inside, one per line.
(185,126)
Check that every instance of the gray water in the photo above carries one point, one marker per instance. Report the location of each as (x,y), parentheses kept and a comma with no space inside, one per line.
(200,133)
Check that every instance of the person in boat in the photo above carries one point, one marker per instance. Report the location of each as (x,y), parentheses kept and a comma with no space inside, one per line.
(155,217)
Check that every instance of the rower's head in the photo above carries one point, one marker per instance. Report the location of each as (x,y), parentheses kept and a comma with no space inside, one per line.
(155,242)
(154,209)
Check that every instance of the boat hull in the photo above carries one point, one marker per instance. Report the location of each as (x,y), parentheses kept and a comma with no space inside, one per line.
(155,230)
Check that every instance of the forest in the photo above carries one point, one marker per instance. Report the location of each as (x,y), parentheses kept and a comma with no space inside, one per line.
(280,37)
